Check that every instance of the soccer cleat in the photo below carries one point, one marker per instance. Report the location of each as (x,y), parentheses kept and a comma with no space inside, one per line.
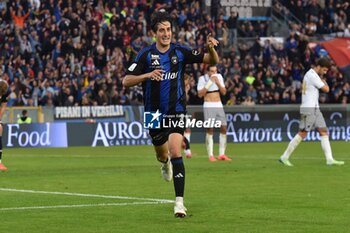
(3,167)
(179,210)
(212,159)
(188,153)
(335,162)
(285,162)
(167,171)
(224,158)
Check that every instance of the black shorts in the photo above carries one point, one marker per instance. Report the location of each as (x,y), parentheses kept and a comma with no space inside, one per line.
(160,136)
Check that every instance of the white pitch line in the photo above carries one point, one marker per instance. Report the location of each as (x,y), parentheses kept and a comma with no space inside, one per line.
(86,195)
(78,206)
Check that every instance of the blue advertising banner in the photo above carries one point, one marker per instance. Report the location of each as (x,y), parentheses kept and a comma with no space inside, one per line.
(256,124)
(36,135)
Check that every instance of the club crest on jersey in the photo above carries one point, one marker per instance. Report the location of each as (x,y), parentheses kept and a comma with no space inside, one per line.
(174,60)
(195,52)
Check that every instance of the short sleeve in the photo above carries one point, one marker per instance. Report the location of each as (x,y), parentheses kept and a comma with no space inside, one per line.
(318,82)
(221,80)
(192,55)
(138,65)
(201,83)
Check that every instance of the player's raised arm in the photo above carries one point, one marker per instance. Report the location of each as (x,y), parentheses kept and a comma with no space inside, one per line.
(325,88)
(212,56)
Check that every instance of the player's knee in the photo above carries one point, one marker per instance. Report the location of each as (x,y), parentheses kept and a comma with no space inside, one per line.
(323,131)
(303,134)
(210,131)
(223,129)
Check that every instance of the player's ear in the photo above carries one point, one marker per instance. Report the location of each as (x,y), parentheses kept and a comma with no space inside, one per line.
(153,33)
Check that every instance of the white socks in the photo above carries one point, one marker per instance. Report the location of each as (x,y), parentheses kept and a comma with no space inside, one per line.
(326,147)
(222,144)
(291,146)
(209,143)
(179,199)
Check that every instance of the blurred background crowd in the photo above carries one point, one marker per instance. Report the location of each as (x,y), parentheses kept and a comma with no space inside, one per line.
(67,53)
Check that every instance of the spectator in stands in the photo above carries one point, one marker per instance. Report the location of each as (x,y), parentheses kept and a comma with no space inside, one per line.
(24,118)
(232,28)
(18,18)
(48,39)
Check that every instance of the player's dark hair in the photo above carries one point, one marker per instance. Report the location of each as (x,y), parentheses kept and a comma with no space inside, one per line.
(211,65)
(3,87)
(323,62)
(159,17)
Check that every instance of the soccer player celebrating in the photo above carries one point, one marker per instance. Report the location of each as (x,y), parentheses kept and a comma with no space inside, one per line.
(160,68)
(4,93)
(311,116)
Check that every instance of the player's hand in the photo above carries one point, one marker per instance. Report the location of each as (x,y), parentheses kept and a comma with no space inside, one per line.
(214,79)
(211,41)
(156,75)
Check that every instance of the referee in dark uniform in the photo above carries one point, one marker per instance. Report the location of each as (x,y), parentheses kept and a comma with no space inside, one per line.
(160,68)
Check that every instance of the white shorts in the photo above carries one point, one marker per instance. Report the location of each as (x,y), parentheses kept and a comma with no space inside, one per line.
(312,121)
(214,110)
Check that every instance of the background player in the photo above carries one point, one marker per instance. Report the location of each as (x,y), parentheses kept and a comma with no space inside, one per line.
(210,86)
(310,114)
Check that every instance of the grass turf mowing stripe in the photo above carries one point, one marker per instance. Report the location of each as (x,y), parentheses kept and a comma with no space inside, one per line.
(86,195)
(79,206)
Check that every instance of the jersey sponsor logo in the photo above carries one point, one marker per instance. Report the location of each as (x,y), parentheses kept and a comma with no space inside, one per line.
(132,67)
(155,56)
(170,75)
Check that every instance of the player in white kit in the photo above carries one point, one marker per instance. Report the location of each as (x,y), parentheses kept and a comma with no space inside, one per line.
(310,114)
(210,86)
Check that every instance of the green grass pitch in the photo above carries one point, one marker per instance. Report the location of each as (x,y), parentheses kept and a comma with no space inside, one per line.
(120,189)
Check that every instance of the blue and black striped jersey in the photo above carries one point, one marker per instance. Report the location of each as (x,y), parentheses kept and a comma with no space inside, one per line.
(168,96)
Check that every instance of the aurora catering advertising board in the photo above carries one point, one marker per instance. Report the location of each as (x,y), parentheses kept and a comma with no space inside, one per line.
(280,126)
(272,124)
(108,134)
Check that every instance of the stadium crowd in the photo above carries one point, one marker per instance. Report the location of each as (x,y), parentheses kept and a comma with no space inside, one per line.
(66,53)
